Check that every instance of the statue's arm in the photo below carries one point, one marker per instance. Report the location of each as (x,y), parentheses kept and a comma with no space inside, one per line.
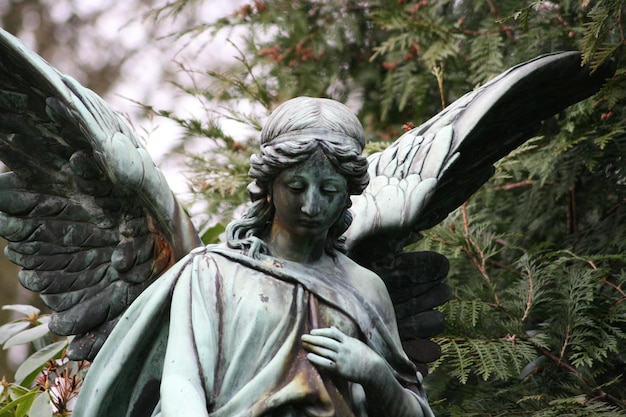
(332,350)
(194,339)
(386,396)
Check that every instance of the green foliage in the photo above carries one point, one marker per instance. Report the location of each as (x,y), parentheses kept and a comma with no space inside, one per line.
(599,38)
(544,330)
(46,383)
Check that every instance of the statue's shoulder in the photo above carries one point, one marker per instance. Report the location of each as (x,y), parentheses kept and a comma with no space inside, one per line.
(216,252)
(222,255)
(367,281)
(354,268)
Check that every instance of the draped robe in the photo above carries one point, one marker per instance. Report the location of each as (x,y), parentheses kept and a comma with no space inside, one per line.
(219,335)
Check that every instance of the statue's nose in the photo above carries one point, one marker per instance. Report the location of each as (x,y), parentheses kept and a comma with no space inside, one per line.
(311,203)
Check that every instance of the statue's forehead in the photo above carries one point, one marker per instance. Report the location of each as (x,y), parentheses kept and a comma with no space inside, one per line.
(316,166)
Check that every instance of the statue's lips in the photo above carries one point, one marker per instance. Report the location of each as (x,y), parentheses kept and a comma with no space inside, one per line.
(309,223)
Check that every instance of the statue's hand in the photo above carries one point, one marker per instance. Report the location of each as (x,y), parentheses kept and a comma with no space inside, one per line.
(334,351)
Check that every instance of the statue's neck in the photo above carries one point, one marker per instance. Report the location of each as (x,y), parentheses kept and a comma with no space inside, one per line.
(306,250)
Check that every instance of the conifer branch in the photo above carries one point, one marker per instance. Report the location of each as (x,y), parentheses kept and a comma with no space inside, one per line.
(511,186)
(437,71)
(502,29)
(565,341)
(581,376)
(616,288)
(481,262)
(506,29)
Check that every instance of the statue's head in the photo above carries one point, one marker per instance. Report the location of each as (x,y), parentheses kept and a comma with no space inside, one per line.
(302,126)
(297,130)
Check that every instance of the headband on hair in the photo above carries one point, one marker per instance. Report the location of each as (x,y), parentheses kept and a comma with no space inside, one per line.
(326,135)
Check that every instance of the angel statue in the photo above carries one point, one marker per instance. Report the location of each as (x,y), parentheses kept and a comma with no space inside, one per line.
(311,307)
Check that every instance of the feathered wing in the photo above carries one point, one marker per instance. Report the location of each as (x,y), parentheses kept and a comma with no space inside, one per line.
(432,169)
(86,213)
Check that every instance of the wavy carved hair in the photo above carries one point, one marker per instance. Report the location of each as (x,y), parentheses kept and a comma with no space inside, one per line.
(295,131)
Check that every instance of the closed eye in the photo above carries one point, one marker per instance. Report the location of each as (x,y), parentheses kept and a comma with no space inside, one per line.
(332,188)
(296,187)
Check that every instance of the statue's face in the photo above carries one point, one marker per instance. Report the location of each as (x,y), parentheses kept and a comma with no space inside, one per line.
(309,198)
